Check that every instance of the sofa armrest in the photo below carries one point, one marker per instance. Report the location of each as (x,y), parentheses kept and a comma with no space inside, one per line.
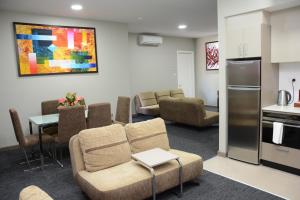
(76,155)
(137,103)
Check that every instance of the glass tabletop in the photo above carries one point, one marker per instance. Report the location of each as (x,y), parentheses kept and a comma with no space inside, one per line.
(42,120)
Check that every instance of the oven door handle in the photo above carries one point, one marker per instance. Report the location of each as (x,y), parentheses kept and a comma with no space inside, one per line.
(288,125)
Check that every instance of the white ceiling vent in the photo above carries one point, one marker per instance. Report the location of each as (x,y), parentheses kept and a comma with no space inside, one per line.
(150,40)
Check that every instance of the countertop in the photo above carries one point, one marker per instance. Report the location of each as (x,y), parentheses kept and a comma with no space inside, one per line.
(290,109)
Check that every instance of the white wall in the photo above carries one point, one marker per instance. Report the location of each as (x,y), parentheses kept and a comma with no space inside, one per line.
(207,82)
(26,93)
(155,68)
(288,71)
(227,8)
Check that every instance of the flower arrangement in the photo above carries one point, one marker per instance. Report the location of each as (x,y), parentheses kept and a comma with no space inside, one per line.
(70,100)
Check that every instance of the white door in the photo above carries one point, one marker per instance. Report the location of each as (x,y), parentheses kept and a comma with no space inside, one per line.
(186,72)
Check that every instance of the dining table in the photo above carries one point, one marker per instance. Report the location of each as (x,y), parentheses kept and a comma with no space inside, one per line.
(42,121)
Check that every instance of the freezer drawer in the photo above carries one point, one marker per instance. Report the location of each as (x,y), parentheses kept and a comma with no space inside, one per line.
(243,73)
(280,154)
(243,123)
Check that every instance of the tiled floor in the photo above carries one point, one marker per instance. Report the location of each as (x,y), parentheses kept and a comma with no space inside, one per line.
(274,181)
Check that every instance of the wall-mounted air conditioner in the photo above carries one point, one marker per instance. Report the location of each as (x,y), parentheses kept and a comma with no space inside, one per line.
(150,40)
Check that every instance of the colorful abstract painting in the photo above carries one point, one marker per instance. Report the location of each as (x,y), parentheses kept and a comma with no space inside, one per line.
(47,49)
(212,55)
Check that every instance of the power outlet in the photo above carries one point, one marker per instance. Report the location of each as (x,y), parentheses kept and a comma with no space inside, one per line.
(293,80)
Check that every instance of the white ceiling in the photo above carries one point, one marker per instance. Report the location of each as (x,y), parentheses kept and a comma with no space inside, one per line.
(158,16)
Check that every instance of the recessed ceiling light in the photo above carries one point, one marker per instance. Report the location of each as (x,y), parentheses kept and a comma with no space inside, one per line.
(140,18)
(76,7)
(182,26)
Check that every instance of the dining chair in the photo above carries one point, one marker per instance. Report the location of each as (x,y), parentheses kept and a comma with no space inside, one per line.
(49,107)
(99,114)
(27,141)
(70,122)
(123,110)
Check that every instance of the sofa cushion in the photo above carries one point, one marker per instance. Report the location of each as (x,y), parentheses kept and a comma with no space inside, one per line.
(150,110)
(147,135)
(178,93)
(162,95)
(104,147)
(147,98)
(211,118)
(132,181)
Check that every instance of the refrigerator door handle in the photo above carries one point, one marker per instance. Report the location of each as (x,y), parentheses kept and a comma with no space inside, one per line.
(242,62)
(244,88)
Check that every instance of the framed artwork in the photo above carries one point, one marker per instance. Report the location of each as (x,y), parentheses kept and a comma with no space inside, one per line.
(49,49)
(212,55)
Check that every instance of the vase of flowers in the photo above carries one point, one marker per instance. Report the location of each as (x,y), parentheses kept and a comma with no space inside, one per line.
(71,100)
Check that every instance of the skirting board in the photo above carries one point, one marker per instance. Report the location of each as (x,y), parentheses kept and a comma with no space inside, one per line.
(9,148)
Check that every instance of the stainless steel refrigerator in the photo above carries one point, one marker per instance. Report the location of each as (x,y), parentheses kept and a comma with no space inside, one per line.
(244,109)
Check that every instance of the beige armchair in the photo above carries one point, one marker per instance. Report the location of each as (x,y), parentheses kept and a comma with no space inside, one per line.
(103,168)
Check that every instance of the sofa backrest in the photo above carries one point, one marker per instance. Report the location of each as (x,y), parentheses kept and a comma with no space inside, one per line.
(177,93)
(147,135)
(183,110)
(164,94)
(141,136)
(104,147)
(147,98)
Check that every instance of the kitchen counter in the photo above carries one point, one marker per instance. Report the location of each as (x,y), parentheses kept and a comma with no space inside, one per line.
(290,109)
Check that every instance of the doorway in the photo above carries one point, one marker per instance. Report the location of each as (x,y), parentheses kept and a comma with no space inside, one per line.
(186,72)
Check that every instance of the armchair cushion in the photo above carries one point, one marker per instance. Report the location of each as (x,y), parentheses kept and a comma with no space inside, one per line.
(162,95)
(33,192)
(178,93)
(147,135)
(135,184)
(104,147)
(147,98)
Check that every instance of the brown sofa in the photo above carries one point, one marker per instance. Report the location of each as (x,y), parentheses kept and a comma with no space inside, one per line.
(188,111)
(147,103)
(103,168)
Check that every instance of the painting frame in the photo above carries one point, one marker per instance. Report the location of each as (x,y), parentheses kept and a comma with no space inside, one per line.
(207,58)
(58,26)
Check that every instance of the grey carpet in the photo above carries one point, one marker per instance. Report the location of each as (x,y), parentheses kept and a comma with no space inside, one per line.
(59,183)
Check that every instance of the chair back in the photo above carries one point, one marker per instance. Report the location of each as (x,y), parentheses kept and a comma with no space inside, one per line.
(99,114)
(123,109)
(71,121)
(49,107)
(17,127)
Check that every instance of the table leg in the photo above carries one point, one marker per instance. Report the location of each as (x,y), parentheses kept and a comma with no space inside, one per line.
(180,177)
(41,148)
(30,127)
(153,183)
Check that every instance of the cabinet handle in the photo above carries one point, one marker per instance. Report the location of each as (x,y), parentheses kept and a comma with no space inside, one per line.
(240,50)
(245,50)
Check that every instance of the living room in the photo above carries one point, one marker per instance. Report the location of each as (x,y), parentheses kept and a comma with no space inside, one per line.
(172,56)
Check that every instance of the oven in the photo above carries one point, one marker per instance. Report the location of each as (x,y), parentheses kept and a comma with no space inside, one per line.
(284,156)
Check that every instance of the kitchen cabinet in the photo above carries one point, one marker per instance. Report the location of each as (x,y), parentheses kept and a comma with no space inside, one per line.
(285,27)
(243,35)
(244,42)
